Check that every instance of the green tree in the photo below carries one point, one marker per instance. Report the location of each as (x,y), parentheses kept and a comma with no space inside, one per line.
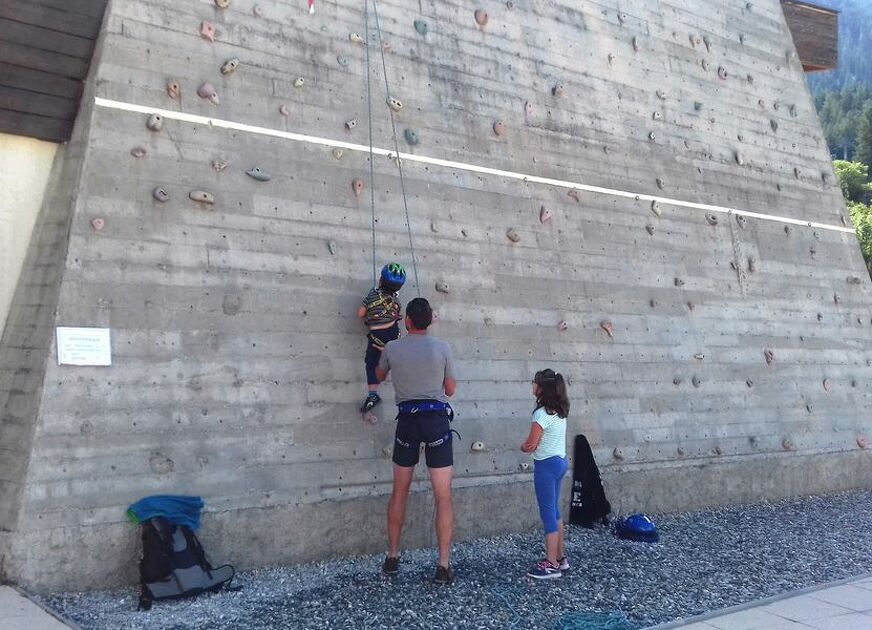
(863,150)
(861,216)
(853,178)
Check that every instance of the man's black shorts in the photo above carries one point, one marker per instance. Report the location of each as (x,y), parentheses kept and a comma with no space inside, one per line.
(425,427)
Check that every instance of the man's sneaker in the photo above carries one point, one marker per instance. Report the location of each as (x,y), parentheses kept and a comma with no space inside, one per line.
(443,575)
(391,566)
(544,571)
(563,563)
(371,401)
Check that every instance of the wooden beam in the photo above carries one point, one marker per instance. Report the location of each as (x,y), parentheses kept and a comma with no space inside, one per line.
(33,126)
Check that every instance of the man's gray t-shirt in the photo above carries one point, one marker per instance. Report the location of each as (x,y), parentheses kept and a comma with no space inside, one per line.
(419,364)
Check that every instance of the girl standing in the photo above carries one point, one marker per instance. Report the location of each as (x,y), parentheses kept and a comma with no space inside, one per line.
(547,443)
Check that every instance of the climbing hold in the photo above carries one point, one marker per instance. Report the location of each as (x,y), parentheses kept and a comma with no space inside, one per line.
(350,124)
(299,81)
(442,286)
(636,45)
(796,172)
(160,194)
(788,229)
(707,42)
(562,325)
(411,136)
(545,215)
(174,90)
(678,282)
(661,183)
(650,229)
(513,235)
(557,90)
(812,251)
(222,4)
(607,327)
(285,111)
(695,40)
(138,152)
(691,306)
(208,92)
(788,445)
(717,451)
(611,58)
(792,111)
(207,31)
(853,280)
(734,266)
(422,27)
(229,66)
(231,304)
(342,61)
(861,441)
(677,380)
(740,158)
(699,357)
(661,95)
(434,227)
(524,466)
(572,193)
(750,79)
(618,453)
(696,381)
(499,127)
(816,235)
(828,384)
(722,72)
(749,382)
(528,108)
(656,209)
(774,124)
(331,247)
(219,165)
(98,224)
(257,174)
(202,196)
(697,105)
(652,303)
(854,383)
(257,10)
(394,103)
(154,122)
(652,136)
(705,64)
(752,264)
(355,38)
(357,187)
(480,17)
(657,116)
(338,153)
(680,452)
(836,298)
(742,221)
(711,218)
(477,447)
(622,17)
(769,355)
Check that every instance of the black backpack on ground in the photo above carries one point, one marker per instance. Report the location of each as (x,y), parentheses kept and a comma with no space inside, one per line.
(174,565)
(589,503)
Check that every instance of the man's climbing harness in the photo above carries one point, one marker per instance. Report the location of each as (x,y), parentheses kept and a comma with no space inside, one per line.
(396,155)
(412,407)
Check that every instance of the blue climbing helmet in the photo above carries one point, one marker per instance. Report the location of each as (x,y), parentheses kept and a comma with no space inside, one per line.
(393,276)
(637,527)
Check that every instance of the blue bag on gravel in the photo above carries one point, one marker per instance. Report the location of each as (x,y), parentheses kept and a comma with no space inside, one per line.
(636,527)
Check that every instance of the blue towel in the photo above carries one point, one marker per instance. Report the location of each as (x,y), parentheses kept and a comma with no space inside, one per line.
(177,509)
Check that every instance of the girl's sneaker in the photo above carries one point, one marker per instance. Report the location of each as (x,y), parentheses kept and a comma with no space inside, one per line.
(563,563)
(544,570)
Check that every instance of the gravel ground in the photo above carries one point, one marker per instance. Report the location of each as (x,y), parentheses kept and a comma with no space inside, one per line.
(705,560)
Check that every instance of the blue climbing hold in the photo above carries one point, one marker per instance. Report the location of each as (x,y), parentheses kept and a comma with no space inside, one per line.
(422,27)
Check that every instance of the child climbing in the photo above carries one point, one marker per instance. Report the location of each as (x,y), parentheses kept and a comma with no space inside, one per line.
(547,443)
(381,313)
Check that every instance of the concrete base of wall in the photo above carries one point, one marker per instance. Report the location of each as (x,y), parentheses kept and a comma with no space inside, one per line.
(104,556)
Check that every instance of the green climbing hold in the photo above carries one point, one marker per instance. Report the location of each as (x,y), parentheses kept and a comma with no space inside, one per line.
(411,136)
(422,27)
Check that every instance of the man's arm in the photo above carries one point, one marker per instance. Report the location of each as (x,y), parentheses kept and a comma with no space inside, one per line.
(449,384)
(381,374)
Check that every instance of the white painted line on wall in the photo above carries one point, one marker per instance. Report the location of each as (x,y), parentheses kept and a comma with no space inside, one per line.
(535,179)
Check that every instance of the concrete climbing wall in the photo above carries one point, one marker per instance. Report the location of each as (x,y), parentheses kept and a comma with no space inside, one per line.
(714,356)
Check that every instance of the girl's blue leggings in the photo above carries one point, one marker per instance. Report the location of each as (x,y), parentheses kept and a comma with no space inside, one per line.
(547,476)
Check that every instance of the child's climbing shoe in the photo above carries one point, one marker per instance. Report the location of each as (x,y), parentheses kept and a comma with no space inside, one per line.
(371,401)
(544,570)
(443,575)
(563,563)
(391,566)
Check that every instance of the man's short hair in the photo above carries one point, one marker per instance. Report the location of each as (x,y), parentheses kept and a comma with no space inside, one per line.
(419,311)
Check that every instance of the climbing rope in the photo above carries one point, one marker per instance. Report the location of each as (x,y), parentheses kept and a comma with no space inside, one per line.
(371,161)
(396,142)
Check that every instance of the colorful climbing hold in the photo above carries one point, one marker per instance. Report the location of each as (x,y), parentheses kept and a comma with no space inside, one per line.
(201,196)
(563,325)
(350,124)
(499,128)
(207,91)
(285,111)
(174,90)
(154,122)
(442,286)
(355,38)
(557,90)
(861,441)
(138,152)
(160,194)
(787,444)
(828,384)
(357,187)
(299,81)
(422,27)
(572,193)
(524,466)
(338,153)
(477,447)
(98,224)
(257,174)
(513,235)
(207,31)
(222,4)
(480,17)
(607,328)
(618,453)
(711,218)
(229,66)
(411,137)
(545,215)
(394,103)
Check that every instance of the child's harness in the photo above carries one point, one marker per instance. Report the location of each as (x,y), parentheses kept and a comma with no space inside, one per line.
(416,406)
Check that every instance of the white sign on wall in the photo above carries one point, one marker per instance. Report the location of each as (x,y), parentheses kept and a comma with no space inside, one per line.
(84,346)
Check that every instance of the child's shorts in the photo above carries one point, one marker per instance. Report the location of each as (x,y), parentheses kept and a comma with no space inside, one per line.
(376,341)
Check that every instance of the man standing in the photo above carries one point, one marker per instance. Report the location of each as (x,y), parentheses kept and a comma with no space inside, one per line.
(423,377)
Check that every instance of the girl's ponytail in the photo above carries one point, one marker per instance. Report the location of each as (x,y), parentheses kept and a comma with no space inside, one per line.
(552,392)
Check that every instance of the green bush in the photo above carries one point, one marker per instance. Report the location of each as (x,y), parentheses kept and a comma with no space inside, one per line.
(861,215)
(853,178)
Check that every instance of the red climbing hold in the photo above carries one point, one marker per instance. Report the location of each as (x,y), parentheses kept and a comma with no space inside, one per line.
(499,127)
(311,7)
(545,215)
(357,187)
(562,325)
(173,89)
(828,384)
(861,441)
(607,327)
(207,30)
(481,17)
(98,224)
